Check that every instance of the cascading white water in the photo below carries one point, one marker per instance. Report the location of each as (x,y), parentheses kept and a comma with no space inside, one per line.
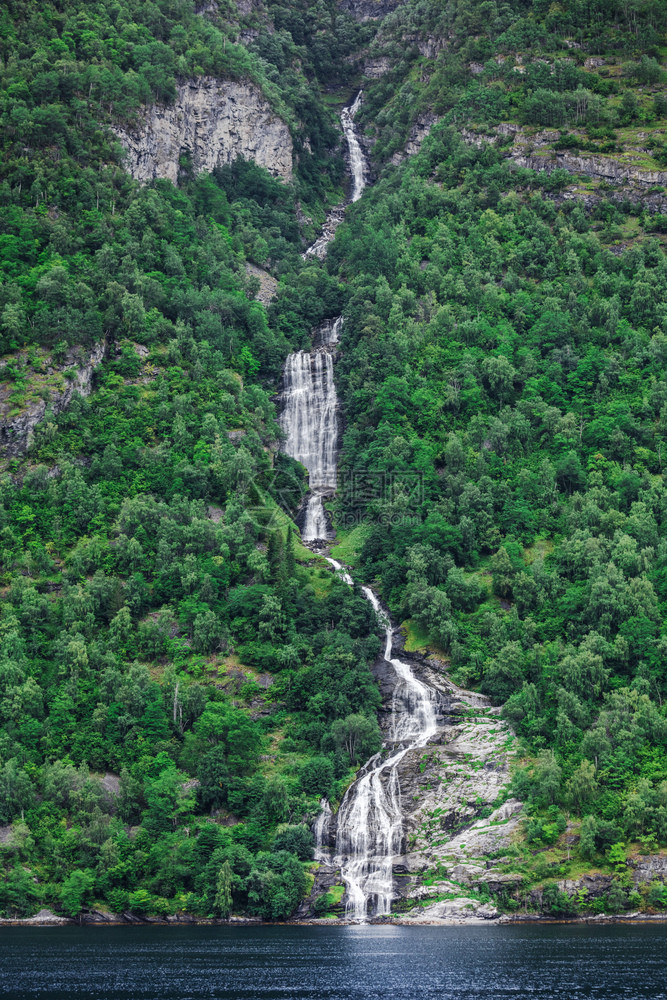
(357,161)
(315,524)
(321,831)
(358,172)
(370,818)
(341,571)
(309,417)
(310,421)
(327,334)
(310,412)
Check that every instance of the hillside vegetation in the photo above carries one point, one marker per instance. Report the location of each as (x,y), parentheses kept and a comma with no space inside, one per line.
(180,680)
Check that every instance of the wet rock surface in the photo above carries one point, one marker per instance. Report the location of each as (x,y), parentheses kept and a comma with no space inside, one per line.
(446,791)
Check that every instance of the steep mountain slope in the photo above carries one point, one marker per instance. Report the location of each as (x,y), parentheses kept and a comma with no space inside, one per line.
(179,676)
(501,371)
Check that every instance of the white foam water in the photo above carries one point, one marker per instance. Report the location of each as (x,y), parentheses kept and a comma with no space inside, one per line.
(358,172)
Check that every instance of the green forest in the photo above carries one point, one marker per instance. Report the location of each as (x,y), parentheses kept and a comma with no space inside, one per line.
(181,680)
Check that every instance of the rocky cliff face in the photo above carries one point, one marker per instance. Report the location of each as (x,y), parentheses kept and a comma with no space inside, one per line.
(58,385)
(622,180)
(366,10)
(213,122)
(447,790)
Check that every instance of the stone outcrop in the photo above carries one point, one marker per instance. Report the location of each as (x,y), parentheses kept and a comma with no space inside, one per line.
(418,132)
(447,789)
(620,179)
(642,871)
(535,151)
(213,122)
(600,168)
(60,383)
(268,285)
(375,67)
(368,10)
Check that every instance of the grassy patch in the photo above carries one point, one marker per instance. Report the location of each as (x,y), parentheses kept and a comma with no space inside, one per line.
(349,543)
(540,549)
(417,640)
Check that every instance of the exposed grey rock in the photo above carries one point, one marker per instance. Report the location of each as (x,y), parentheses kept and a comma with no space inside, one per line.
(46,917)
(431,45)
(368,10)
(267,283)
(459,910)
(649,867)
(598,167)
(99,917)
(111,783)
(501,880)
(214,121)
(16,430)
(377,67)
(505,811)
(418,132)
(236,436)
(620,181)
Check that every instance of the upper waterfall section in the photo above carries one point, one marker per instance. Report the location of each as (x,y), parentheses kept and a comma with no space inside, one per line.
(358,168)
(214,121)
(356,157)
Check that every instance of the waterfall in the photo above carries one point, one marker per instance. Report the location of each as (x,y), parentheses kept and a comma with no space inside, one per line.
(310,421)
(309,417)
(357,161)
(327,334)
(369,833)
(370,818)
(315,524)
(358,172)
(321,831)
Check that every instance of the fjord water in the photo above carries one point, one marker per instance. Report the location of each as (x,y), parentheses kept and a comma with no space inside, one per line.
(555,962)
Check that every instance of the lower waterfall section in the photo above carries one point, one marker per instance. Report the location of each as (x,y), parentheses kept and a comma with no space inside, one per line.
(315,524)
(321,831)
(369,829)
(370,819)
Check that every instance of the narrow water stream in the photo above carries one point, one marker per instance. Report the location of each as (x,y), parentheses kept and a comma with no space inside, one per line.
(370,819)
(358,174)
(369,828)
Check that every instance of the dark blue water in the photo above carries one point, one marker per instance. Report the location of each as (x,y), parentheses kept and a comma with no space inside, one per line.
(335,963)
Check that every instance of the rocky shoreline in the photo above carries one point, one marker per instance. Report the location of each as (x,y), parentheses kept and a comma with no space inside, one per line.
(95,918)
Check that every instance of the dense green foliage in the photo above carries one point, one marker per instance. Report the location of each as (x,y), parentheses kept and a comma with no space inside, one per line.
(156,625)
(129,594)
(180,681)
(504,379)
(487,62)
